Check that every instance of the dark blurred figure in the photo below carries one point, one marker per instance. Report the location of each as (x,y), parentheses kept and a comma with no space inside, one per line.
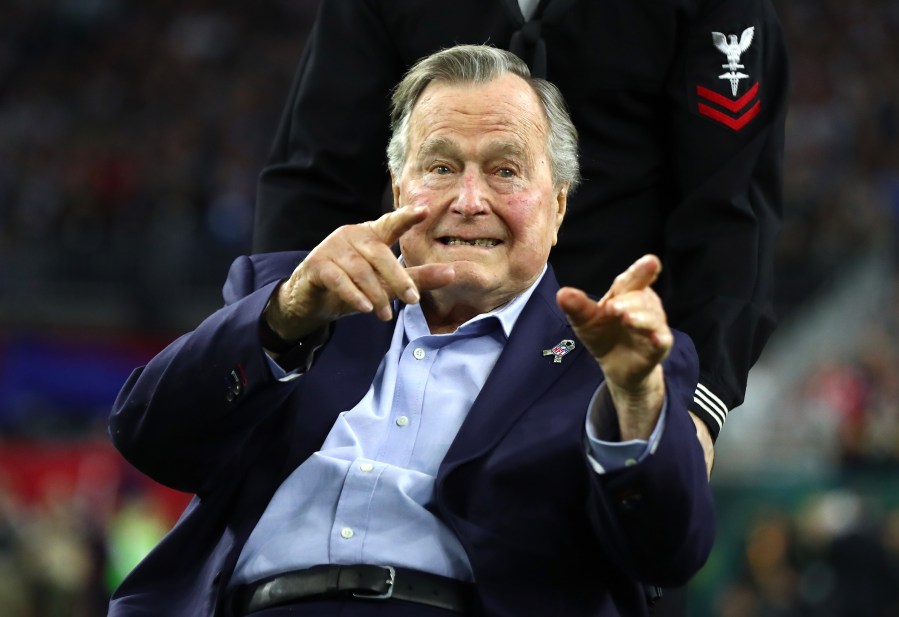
(680,108)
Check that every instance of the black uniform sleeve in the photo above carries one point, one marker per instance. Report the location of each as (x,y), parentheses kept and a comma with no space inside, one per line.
(327,167)
(730,89)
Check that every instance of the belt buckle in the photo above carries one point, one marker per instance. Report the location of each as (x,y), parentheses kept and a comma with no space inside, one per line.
(380,596)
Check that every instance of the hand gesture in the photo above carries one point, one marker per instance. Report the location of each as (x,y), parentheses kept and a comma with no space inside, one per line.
(353,270)
(627,332)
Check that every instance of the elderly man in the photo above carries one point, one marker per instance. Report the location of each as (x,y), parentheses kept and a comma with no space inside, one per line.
(448,433)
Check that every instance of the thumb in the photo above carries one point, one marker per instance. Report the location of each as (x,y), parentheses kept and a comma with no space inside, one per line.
(577,306)
(431,276)
(389,227)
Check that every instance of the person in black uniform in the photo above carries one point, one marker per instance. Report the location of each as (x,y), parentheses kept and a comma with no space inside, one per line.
(680,106)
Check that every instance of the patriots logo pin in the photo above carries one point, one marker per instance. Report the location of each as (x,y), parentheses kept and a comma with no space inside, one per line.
(730,108)
(559,351)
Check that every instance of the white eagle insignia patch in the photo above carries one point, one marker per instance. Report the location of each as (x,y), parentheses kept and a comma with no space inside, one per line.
(730,108)
(730,47)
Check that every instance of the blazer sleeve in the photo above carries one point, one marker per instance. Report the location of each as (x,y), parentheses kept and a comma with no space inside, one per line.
(656,519)
(328,167)
(184,415)
(727,152)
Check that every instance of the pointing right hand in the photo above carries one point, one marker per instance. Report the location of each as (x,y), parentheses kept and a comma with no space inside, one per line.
(353,270)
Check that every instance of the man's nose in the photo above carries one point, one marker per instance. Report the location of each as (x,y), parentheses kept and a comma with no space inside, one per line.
(473,197)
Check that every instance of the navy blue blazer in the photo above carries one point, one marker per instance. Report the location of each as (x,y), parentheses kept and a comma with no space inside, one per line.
(545,534)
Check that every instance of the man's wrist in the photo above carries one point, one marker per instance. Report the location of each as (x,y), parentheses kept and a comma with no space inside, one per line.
(271,340)
(638,409)
(280,329)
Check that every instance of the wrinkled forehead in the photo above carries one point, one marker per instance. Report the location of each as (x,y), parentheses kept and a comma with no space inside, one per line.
(505,108)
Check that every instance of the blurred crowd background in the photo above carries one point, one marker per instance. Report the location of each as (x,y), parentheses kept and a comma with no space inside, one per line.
(131,136)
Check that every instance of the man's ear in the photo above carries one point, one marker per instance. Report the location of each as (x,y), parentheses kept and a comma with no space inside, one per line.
(395,187)
(561,209)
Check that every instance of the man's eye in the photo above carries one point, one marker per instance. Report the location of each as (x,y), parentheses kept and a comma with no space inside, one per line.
(441,170)
(505,172)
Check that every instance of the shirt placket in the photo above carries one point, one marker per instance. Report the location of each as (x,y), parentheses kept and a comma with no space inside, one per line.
(415,366)
(352,517)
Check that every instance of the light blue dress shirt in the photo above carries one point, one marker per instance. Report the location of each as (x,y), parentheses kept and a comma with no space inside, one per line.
(362,498)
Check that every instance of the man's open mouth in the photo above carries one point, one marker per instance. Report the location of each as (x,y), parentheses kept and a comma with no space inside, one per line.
(485,242)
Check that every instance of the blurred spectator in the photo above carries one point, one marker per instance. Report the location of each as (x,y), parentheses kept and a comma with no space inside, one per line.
(826,559)
(13,596)
(56,556)
(136,527)
(848,408)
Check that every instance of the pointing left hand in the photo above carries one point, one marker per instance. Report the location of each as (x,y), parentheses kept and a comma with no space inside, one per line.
(627,332)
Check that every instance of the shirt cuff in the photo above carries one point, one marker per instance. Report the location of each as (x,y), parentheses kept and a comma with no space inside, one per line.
(288,366)
(606,456)
(279,373)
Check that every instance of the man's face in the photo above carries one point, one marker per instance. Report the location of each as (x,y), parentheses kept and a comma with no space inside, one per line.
(477,158)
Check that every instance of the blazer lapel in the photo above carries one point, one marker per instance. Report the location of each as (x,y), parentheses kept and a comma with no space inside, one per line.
(521,375)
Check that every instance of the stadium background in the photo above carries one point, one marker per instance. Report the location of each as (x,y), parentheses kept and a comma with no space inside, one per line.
(130,140)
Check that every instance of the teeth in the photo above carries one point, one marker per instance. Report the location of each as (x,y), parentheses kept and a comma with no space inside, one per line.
(478,242)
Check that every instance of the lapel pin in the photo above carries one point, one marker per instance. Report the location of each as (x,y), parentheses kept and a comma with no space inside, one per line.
(562,348)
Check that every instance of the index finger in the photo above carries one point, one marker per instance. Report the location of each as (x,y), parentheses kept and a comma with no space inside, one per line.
(640,275)
(394,224)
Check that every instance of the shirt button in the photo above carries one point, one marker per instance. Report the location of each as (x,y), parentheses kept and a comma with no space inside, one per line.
(402,421)
(346,533)
(366,467)
(419,353)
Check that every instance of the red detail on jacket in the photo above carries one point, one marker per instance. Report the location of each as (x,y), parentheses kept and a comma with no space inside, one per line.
(734,122)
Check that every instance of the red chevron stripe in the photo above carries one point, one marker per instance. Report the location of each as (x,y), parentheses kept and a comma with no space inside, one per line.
(725,102)
(735,123)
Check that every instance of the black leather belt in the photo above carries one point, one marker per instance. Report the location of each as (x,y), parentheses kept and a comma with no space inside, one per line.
(363,582)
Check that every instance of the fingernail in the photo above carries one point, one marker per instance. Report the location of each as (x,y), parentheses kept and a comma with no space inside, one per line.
(384,313)
(410,296)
